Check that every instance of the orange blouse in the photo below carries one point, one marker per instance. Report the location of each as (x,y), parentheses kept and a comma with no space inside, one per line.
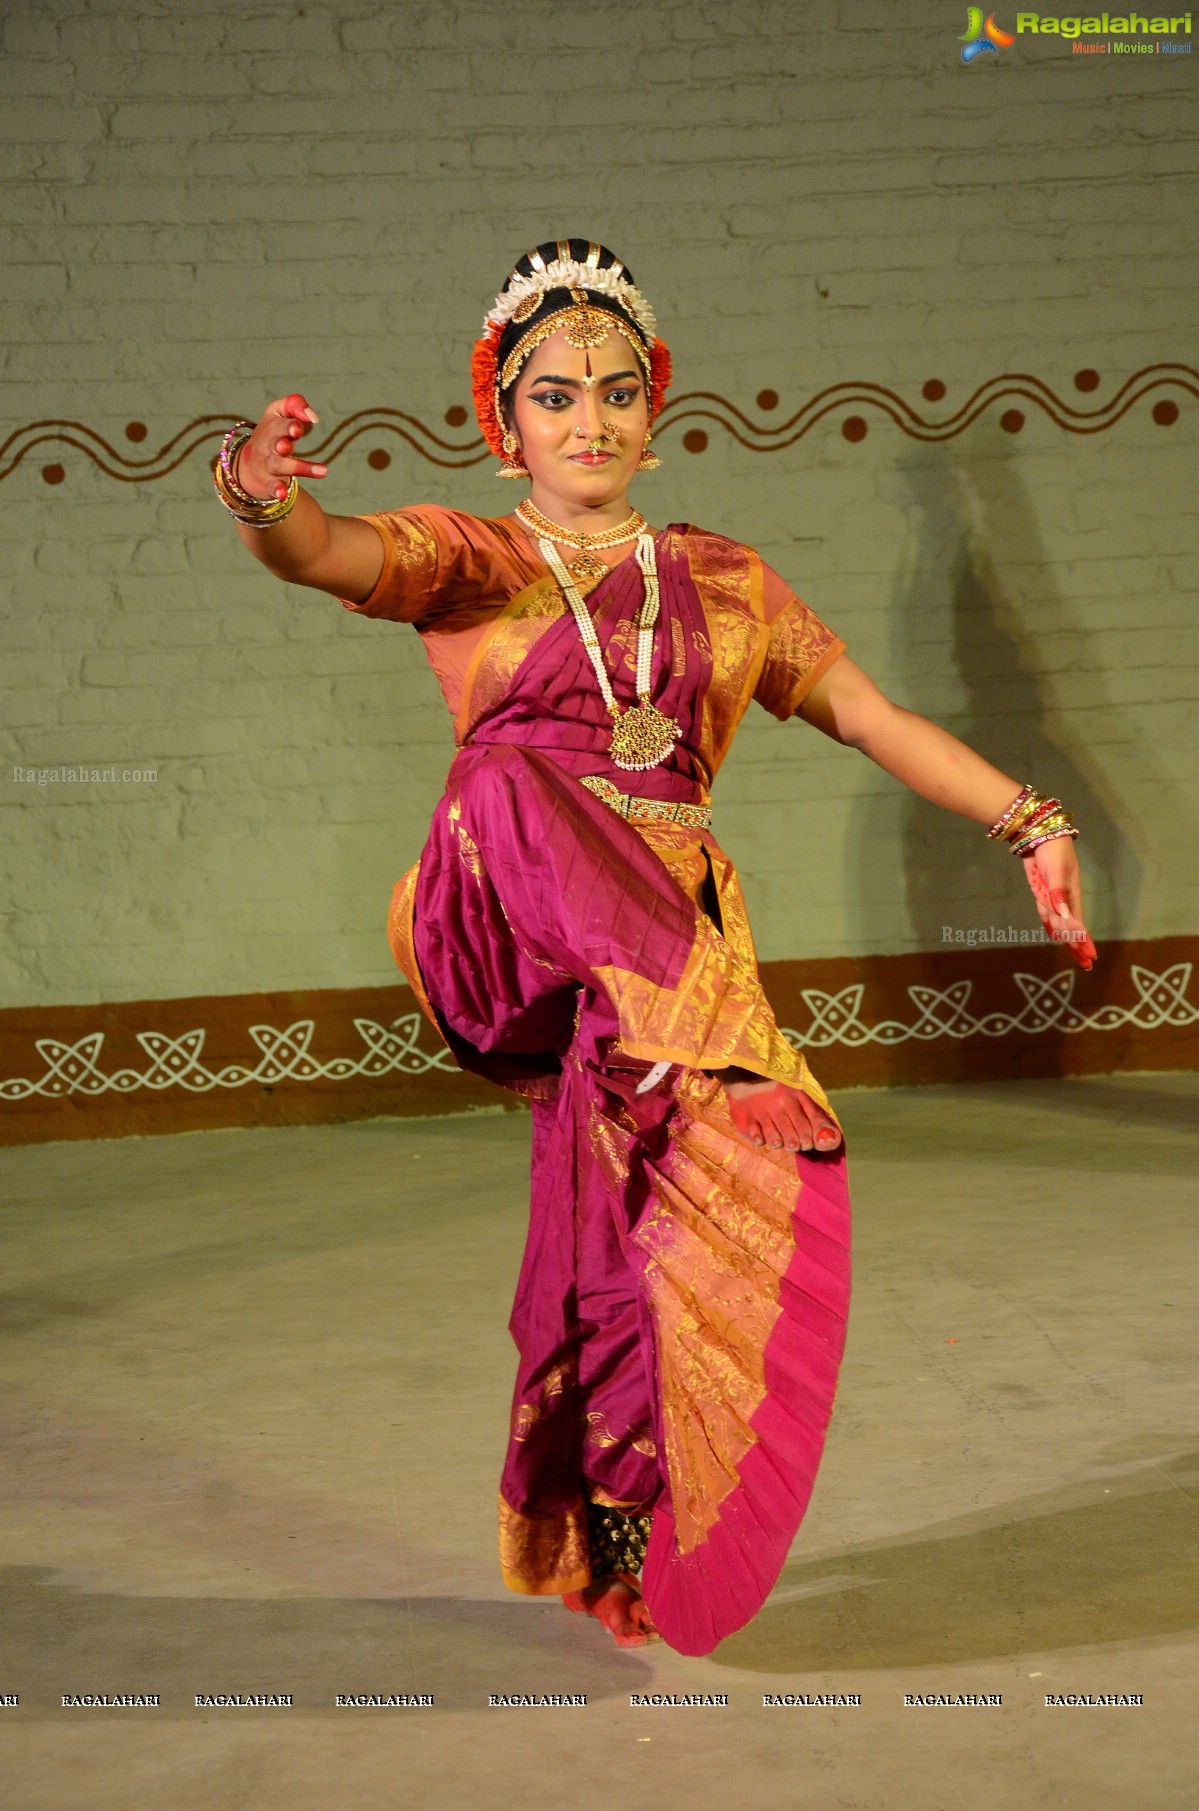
(449,574)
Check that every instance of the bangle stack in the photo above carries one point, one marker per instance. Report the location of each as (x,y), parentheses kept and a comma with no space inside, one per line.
(1030,820)
(254,512)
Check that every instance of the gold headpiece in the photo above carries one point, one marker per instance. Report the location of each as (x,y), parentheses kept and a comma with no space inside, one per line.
(583,324)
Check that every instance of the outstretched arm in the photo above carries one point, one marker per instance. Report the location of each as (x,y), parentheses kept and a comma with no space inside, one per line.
(340,554)
(846,704)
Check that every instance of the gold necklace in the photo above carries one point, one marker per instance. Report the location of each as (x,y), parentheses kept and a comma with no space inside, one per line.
(628,530)
(642,735)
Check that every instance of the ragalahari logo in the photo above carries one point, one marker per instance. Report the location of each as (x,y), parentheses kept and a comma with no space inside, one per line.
(983,36)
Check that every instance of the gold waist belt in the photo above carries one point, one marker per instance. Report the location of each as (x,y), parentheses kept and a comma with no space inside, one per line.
(642,811)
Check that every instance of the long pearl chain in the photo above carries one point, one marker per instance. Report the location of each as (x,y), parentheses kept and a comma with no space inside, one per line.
(642,735)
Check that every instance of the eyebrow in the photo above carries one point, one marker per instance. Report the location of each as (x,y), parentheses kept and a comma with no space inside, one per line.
(572,383)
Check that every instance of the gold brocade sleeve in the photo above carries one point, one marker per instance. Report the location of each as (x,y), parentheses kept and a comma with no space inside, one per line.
(408,582)
(801,648)
(443,567)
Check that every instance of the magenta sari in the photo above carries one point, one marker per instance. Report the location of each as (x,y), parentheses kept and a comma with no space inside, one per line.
(681,1307)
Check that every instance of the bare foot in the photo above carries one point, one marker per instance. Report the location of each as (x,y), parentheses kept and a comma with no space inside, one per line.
(770,1113)
(617,1603)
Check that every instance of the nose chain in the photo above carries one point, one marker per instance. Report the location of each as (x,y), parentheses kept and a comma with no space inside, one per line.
(611,432)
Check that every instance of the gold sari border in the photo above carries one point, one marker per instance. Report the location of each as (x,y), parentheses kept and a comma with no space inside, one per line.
(833,652)
(515,606)
(544,1556)
(713,1018)
(400,926)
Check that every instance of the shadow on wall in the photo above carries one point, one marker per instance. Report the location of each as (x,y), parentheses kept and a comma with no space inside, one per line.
(983,595)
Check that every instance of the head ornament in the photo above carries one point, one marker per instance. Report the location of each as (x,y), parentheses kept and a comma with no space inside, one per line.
(570,273)
(621,309)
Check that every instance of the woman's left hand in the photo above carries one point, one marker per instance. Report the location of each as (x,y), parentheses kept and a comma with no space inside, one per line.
(1052,872)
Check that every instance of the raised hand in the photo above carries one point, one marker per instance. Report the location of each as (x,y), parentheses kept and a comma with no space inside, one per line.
(1052,873)
(267,462)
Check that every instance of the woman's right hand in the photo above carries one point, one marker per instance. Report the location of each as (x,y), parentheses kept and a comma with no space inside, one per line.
(267,463)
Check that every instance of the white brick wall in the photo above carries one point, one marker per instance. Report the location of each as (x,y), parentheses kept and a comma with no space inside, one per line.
(205,205)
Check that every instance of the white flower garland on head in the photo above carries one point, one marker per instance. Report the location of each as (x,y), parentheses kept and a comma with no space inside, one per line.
(569,273)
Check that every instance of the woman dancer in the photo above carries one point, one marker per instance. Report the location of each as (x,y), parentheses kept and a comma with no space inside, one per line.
(576,933)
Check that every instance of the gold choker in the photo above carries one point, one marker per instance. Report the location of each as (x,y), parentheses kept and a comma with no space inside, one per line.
(540,525)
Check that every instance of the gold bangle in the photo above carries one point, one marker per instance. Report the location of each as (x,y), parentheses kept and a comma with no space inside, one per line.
(1031,819)
(1057,821)
(254,512)
(1049,836)
(1059,825)
(231,446)
(1035,811)
(1005,818)
(1037,806)
(1043,810)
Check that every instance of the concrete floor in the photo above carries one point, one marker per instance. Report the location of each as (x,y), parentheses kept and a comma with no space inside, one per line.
(255,1392)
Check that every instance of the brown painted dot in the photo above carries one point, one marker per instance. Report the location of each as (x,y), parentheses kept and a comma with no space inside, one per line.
(378,459)
(933,390)
(1011,421)
(54,474)
(135,430)
(1165,413)
(455,415)
(1086,380)
(695,440)
(768,399)
(853,428)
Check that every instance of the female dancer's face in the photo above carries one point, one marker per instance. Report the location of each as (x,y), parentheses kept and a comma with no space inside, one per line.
(581,418)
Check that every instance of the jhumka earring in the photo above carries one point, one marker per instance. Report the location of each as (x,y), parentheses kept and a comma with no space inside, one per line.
(648,462)
(513,466)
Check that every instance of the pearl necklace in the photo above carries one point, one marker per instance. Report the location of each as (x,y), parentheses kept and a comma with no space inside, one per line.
(642,735)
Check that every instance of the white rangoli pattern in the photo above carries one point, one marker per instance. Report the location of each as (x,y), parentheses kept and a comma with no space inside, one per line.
(1048,1006)
(176,1062)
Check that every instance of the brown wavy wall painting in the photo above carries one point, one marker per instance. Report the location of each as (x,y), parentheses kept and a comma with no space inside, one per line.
(1164,383)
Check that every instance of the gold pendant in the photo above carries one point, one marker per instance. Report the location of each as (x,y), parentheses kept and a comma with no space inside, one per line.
(588,566)
(642,737)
